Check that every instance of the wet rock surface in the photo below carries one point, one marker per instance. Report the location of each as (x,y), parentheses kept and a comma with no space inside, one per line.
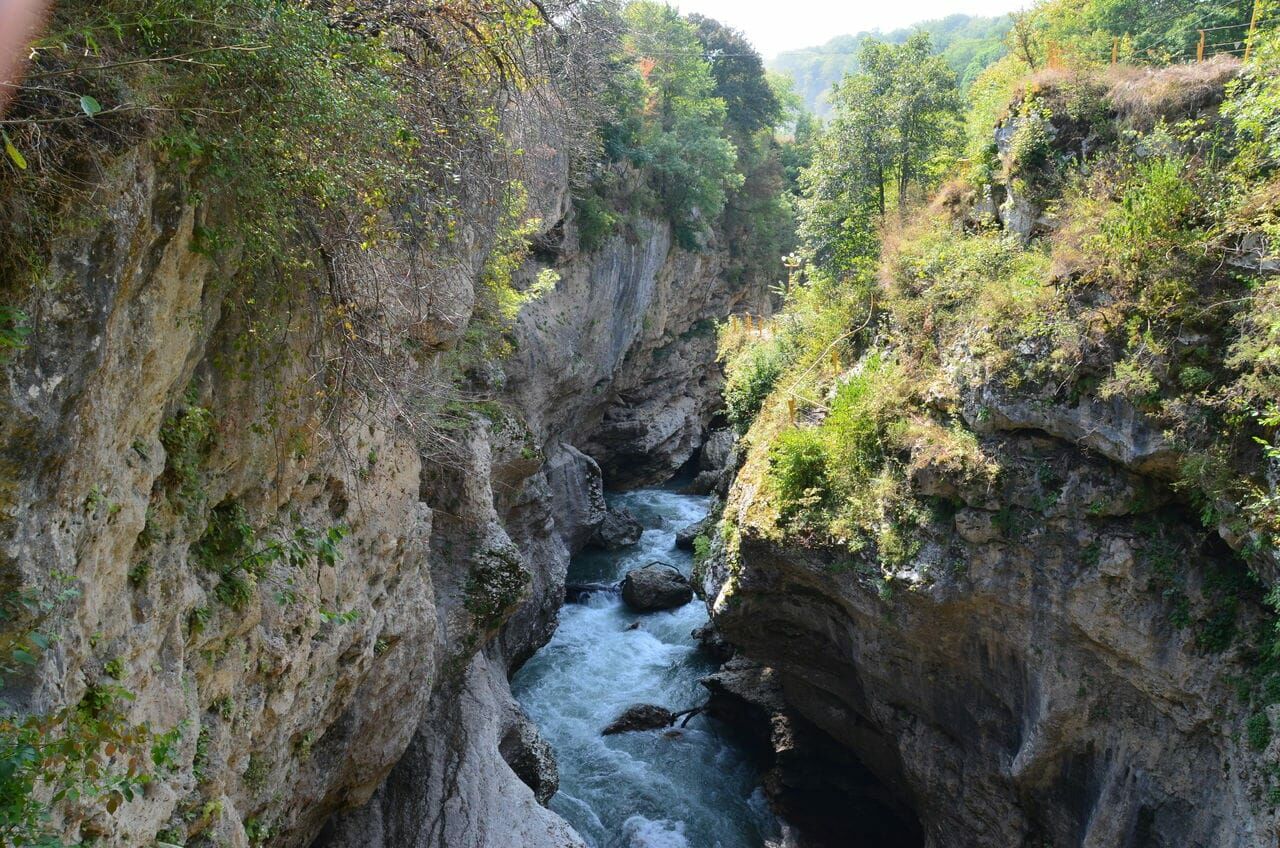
(640,717)
(655,587)
(619,529)
(830,798)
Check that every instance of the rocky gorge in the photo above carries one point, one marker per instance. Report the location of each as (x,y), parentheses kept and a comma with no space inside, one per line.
(385,460)
(1054,643)
(396,649)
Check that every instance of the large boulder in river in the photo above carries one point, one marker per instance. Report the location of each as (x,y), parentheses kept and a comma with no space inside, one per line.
(657,586)
(618,530)
(640,717)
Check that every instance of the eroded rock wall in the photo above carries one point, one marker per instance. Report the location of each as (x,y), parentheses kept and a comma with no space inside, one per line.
(1027,683)
(1062,654)
(136,435)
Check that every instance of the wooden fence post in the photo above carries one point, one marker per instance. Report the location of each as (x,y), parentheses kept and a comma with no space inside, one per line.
(791,409)
(1200,48)
(1253,27)
(1115,49)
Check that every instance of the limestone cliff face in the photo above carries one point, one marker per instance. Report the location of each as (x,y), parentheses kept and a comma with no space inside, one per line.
(1054,664)
(143,456)
(623,351)
(1025,684)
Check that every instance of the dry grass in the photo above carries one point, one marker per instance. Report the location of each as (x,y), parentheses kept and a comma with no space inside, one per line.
(1144,96)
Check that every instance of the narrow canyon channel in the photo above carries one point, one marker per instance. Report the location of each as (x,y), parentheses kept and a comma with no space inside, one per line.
(685,788)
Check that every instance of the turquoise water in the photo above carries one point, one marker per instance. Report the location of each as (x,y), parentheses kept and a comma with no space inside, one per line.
(693,788)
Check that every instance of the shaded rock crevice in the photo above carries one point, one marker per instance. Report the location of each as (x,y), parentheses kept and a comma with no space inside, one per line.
(1052,666)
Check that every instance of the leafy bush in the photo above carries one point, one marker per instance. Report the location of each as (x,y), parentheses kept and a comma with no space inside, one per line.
(799,472)
(87,755)
(1152,224)
(701,549)
(596,222)
(752,376)
(187,437)
(13,331)
(1258,731)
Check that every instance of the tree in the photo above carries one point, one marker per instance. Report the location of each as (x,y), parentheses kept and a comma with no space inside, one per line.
(891,120)
(672,119)
(740,78)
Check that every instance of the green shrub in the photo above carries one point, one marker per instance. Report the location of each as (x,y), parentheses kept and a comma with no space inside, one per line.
(13,331)
(187,438)
(1149,230)
(752,376)
(701,549)
(47,757)
(1257,731)
(798,467)
(855,425)
(256,773)
(596,221)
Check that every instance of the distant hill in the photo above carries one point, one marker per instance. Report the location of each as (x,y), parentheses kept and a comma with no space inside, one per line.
(967,42)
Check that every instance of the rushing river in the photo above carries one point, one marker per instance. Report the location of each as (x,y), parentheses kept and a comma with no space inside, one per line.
(650,789)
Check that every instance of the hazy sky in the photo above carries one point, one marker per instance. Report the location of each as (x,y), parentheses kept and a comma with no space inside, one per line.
(776,25)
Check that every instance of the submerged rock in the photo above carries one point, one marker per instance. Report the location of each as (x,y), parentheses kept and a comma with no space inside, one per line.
(619,529)
(640,717)
(657,586)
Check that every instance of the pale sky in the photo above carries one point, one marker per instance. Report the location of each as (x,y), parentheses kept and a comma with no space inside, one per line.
(777,25)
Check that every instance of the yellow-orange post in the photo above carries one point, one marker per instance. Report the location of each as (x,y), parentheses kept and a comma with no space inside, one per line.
(835,359)
(1253,27)
(1052,58)
(791,409)
(1200,48)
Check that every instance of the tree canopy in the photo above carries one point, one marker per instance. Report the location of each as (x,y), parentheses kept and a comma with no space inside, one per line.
(891,120)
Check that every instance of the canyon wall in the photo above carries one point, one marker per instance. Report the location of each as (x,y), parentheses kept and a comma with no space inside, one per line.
(295,589)
(1069,644)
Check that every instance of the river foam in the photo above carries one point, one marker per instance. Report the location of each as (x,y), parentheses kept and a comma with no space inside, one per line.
(655,789)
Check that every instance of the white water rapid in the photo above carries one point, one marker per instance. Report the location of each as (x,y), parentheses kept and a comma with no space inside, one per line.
(690,788)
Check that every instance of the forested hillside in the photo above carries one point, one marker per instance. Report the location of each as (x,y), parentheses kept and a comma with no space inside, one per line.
(968,44)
